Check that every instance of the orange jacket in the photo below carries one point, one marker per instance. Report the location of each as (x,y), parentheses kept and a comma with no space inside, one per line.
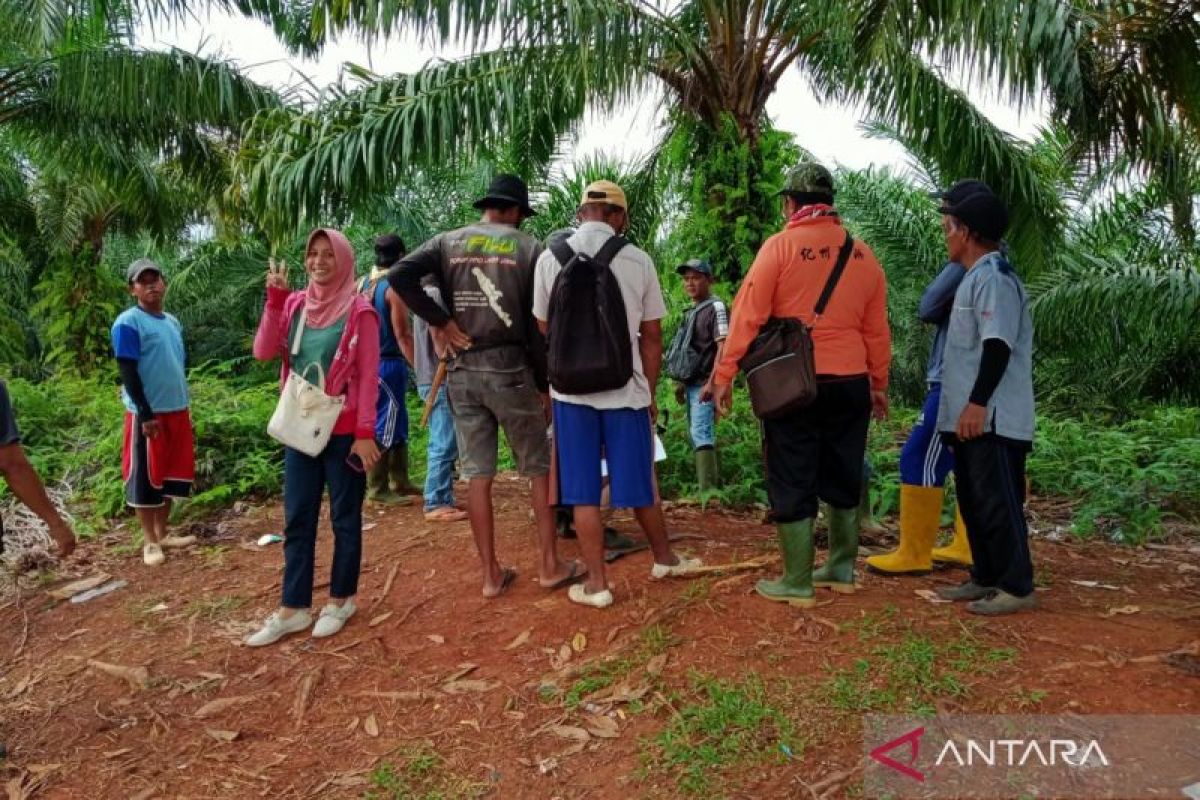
(787,276)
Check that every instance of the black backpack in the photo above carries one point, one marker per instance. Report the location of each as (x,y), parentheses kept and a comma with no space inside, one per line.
(588,345)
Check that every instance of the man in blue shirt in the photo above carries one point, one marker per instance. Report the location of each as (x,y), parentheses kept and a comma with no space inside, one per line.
(157,461)
(925,460)
(986,412)
(389,481)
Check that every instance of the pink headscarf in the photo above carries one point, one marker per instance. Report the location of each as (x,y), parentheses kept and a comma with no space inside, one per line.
(325,305)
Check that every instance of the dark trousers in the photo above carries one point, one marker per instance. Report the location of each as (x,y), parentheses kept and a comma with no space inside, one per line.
(817,452)
(304,482)
(989,474)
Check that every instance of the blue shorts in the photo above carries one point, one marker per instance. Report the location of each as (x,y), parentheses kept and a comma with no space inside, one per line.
(391,415)
(583,435)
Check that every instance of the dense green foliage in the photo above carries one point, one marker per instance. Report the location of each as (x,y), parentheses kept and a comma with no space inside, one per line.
(109,152)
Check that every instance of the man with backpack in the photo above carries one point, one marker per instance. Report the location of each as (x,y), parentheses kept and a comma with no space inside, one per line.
(690,360)
(598,299)
(496,375)
(389,481)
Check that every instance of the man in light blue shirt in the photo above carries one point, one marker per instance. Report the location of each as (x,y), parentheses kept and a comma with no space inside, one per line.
(158,456)
(986,412)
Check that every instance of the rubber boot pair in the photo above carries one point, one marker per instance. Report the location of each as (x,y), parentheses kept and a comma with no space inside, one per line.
(707,473)
(920,517)
(799,578)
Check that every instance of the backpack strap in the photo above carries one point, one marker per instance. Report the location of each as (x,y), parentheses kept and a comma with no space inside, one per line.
(608,252)
(562,251)
(834,277)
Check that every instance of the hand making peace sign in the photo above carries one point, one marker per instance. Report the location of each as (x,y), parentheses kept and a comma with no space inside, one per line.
(276,274)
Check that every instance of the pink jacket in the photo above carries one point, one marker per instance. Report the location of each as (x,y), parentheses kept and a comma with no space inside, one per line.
(355,368)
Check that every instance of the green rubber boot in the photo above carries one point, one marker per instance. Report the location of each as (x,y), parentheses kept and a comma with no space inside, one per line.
(378,490)
(707,474)
(401,484)
(838,571)
(795,587)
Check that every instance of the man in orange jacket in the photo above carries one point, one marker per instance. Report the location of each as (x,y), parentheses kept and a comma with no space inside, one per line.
(817,452)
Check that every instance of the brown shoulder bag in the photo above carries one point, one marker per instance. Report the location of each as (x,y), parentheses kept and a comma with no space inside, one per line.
(779,366)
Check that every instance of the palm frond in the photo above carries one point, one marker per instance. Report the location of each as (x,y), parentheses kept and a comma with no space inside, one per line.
(359,143)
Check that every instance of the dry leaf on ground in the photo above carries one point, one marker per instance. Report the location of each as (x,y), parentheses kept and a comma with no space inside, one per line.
(521,639)
(578,642)
(603,727)
(382,618)
(570,732)
(213,707)
(371,725)
(222,736)
(436,638)
(137,677)
(1114,611)
(655,665)
(468,685)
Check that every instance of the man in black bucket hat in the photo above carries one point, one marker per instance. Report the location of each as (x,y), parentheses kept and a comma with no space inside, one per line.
(496,375)
(507,191)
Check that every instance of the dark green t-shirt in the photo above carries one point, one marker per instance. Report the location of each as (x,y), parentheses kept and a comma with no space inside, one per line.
(317,346)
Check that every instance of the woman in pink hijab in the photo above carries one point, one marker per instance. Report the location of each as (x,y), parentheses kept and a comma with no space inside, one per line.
(341,333)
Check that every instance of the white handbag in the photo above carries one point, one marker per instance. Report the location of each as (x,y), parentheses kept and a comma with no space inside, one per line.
(305,415)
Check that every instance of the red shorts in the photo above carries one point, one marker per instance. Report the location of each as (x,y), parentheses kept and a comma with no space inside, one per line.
(165,466)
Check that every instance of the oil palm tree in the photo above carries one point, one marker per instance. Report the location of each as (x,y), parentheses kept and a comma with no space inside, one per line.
(537,66)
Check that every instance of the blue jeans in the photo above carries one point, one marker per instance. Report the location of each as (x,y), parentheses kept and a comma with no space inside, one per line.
(440,453)
(700,418)
(304,482)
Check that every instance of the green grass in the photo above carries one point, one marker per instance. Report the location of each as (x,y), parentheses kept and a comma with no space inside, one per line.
(719,726)
(909,675)
(422,774)
(213,555)
(216,607)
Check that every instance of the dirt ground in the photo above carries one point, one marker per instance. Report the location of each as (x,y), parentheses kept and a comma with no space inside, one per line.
(682,688)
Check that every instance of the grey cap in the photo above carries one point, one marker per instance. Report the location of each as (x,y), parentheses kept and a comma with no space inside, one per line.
(138,267)
(697,264)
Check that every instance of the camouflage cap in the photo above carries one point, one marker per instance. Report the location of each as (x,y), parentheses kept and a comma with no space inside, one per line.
(808,178)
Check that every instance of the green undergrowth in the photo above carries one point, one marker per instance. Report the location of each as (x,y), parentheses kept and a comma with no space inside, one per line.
(1127,480)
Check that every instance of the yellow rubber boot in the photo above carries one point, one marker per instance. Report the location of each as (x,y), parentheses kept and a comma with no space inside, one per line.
(959,549)
(920,513)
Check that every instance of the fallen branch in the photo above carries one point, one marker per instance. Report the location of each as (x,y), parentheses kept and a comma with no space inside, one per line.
(753,563)
(404,617)
(387,587)
(304,693)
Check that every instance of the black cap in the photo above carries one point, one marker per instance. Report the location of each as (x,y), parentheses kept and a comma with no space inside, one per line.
(507,190)
(389,249)
(975,204)
(697,264)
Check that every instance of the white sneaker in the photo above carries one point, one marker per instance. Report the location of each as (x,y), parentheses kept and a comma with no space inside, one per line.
(152,554)
(177,541)
(332,618)
(577,594)
(276,627)
(684,566)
